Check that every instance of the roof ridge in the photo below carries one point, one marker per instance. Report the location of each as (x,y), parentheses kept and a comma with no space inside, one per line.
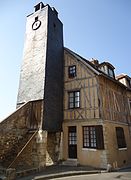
(97,71)
(93,67)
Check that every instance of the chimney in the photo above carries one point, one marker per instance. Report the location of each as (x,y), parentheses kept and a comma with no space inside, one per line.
(95,62)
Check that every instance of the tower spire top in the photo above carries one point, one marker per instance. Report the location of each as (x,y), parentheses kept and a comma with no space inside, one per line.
(38,6)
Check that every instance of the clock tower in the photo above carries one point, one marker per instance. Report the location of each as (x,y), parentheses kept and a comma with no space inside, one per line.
(41,74)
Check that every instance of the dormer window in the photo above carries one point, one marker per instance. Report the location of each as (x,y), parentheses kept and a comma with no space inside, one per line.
(104,69)
(107,68)
(111,72)
(124,79)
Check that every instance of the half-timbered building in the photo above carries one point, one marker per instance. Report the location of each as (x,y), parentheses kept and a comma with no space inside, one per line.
(97,113)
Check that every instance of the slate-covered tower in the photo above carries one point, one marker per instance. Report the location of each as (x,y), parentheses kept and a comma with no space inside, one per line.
(41,74)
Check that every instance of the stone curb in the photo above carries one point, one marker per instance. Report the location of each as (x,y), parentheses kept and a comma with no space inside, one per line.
(65,174)
(28,172)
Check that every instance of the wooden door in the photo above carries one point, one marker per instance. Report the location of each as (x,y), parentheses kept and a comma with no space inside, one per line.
(72,142)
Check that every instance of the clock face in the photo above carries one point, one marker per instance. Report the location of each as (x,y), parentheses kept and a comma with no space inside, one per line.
(36,25)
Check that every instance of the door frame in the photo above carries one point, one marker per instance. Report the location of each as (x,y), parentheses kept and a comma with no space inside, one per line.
(72,142)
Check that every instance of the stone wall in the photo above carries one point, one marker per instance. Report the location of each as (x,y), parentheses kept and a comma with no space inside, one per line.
(41,74)
(43,149)
(117,157)
(16,131)
(12,131)
(53,148)
(22,146)
(24,159)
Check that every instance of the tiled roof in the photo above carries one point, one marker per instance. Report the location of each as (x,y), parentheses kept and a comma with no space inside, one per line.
(122,76)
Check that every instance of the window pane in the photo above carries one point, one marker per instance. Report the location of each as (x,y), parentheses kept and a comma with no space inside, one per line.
(77,93)
(71,105)
(71,94)
(71,100)
(111,72)
(72,138)
(77,99)
(77,104)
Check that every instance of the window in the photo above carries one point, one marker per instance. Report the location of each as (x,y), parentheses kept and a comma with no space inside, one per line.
(111,73)
(89,136)
(128,82)
(130,105)
(36,18)
(107,68)
(72,136)
(93,137)
(104,69)
(120,137)
(74,99)
(72,71)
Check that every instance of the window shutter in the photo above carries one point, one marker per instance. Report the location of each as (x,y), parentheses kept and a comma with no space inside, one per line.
(99,137)
(120,137)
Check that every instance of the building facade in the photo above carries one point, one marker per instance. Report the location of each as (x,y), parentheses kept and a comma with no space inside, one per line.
(69,108)
(97,113)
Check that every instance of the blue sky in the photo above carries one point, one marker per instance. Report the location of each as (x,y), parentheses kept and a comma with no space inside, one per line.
(93,28)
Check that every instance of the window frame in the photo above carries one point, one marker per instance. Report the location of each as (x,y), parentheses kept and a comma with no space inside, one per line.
(111,72)
(120,136)
(128,82)
(129,105)
(72,71)
(72,99)
(108,70)
(97,141)
(88,140)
